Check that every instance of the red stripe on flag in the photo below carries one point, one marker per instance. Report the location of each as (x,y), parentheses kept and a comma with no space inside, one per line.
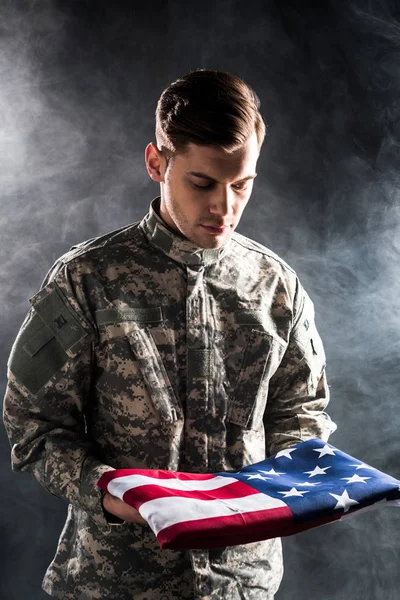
(232,530)
(144,493)
(156,474)
(244,528)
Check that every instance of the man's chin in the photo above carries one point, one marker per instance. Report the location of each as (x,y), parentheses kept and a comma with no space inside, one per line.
(209,244)
(209,241)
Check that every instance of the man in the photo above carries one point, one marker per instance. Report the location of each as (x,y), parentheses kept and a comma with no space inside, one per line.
(173,343)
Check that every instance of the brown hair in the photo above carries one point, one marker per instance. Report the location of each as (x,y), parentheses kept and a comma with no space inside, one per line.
(208,108)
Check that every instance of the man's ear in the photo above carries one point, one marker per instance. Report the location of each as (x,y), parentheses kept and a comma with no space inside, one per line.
(155,162)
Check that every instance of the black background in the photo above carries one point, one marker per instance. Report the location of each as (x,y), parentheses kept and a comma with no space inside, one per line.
(79,83)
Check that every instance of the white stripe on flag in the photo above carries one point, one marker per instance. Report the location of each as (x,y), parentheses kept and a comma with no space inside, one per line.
(120,485)
(163,512)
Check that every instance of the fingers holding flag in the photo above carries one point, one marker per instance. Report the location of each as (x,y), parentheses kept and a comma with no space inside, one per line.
(120,509)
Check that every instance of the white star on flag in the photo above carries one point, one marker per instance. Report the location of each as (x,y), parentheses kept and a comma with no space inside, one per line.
(343,501)
(317,471)
(309,483)
(362,466)
(355,479)
(293,492)
(256,476)
(285,453)
(271,472)
(325,450)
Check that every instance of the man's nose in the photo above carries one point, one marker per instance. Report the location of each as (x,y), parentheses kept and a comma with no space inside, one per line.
(221,203)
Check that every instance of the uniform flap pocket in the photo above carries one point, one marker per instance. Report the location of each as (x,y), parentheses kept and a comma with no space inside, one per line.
(309,342)
(150,315)
(60,318)
(112,316)
(248,316)
(155,376)
(36,356)
(302,333)
(248,399)
(305,332)
(38,340)
(199,364)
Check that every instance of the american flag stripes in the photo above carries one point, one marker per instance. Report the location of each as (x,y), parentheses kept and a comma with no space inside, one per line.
(309,484)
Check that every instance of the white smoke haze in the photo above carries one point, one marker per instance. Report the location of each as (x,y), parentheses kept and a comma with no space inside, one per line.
(345,246)
(79,83)
(66,162)
(28,121)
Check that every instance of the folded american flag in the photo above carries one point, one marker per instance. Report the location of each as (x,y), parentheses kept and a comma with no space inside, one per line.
(307,485)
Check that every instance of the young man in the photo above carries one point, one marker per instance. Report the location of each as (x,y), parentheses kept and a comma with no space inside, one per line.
(173,343)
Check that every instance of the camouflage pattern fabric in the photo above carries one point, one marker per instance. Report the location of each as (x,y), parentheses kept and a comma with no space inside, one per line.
(142,350)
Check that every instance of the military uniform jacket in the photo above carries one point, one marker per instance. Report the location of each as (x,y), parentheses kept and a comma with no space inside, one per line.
(142,350)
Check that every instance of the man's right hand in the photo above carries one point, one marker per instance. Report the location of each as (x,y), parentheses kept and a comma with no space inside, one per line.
(120,509)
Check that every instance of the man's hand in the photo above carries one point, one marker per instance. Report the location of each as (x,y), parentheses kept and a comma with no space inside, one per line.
(117,507)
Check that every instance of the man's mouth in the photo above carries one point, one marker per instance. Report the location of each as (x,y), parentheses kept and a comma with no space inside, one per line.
(218,229)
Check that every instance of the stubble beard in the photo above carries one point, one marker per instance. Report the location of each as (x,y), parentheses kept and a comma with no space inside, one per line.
(194,232)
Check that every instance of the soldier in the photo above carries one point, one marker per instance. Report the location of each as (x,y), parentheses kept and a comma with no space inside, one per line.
(171,343)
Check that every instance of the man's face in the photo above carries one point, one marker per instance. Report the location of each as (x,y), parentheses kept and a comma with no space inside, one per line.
(204,192)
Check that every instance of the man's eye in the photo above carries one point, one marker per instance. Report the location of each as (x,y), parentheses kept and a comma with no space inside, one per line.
(239,187)
(202,187)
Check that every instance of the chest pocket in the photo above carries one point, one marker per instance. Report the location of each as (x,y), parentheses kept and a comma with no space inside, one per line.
(154,374)
(137,323)
(248,399)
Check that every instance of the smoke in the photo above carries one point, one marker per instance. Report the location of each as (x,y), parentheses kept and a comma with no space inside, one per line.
(337,222)
(68,164)
(40,137)
(79,85)
(327,200)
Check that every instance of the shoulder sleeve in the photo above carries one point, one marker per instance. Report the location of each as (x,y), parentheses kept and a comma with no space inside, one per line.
(53,333)
(299,393)
(49,380)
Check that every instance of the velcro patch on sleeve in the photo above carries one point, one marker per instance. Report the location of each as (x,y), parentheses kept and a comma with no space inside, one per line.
(60,318)
(49,337)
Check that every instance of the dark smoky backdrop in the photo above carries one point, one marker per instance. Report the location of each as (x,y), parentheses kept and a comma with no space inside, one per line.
(79,83)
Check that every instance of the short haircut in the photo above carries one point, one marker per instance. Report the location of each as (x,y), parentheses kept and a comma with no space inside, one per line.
(208,108)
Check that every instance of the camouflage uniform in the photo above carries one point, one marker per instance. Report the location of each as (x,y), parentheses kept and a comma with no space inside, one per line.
(142,350)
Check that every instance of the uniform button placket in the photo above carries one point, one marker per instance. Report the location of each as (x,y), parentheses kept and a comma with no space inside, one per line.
(197,383)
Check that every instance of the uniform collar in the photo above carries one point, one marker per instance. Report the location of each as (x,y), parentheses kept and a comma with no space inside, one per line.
(176,247)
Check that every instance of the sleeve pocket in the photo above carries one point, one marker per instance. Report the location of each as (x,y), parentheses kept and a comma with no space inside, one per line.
(310,344)
(49,337)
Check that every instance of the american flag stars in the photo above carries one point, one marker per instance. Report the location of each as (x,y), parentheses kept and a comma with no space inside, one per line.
(286,453)
(333,474)
(309,483)
(362,466)
(272,472)
(356,479)
(257,476)
(343,501)
(293,492)
(325,450)
(317,471)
